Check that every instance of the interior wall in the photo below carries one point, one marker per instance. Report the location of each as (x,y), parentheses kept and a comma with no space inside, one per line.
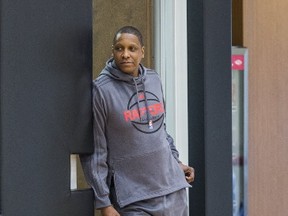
(237,22)
(109,16)
(45,97)
(265,34)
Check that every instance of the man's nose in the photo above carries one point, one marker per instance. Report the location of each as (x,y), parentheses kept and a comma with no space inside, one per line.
(125,54)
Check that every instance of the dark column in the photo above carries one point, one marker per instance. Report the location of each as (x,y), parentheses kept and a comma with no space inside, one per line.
(209,81)
(45,105)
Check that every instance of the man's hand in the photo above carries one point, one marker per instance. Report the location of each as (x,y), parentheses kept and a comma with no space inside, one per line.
(109,211)
(188,171)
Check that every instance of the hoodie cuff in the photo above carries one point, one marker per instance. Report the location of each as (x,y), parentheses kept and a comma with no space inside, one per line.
(177,158)
(101,202)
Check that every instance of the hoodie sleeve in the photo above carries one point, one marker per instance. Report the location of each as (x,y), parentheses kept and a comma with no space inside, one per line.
(95,166)
(174,151)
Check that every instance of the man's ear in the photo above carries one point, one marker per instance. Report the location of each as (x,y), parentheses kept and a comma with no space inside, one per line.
(143,51)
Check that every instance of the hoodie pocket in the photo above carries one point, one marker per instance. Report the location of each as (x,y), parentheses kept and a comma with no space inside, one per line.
(147,175)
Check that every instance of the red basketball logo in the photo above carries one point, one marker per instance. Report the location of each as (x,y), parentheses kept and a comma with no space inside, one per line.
(147,118)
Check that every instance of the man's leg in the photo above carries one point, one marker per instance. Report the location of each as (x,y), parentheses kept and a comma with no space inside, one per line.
(174,204)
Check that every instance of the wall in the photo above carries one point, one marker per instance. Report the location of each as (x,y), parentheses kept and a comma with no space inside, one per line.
(265,33)
(109,16)
(45,105)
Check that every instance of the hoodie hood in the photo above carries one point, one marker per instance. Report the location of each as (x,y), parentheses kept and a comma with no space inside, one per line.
(112,71)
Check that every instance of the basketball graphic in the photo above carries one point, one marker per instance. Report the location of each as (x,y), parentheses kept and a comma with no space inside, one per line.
(147,118)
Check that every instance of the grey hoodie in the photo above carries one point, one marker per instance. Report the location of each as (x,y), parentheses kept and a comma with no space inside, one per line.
(131,145)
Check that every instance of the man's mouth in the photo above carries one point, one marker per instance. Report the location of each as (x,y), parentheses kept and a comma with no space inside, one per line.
(124,63)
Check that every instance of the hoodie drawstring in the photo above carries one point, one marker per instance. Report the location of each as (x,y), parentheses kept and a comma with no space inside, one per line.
(150,122)
(137,92)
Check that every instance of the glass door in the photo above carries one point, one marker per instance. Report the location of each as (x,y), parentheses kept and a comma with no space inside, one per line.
(239,129)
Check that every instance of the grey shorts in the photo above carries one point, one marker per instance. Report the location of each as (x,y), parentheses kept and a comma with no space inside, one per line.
(174,204)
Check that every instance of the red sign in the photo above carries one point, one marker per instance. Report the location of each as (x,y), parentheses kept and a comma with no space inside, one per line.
(237,62)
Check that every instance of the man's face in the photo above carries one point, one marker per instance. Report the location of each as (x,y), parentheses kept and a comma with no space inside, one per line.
(128,53)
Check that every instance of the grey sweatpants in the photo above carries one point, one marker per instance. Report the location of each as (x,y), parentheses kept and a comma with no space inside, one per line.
(174,204)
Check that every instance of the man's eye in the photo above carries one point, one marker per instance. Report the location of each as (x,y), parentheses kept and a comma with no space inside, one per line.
(118,48)
(133,49)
